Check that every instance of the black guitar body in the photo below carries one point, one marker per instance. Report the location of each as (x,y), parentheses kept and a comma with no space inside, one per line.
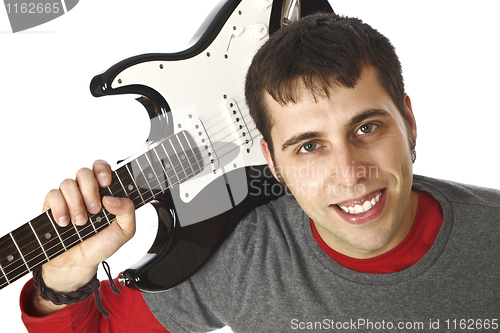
(185,240)
(178,252)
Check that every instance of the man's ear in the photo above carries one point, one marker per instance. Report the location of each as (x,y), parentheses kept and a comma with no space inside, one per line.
(410,116)
(267,155)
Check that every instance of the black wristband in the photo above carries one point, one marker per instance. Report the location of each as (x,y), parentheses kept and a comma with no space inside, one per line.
(73,297)
(66,299)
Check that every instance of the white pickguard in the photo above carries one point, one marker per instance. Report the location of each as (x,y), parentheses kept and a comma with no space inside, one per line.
(201,92)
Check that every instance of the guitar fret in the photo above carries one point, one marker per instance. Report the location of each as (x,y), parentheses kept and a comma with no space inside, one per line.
(191,150)
(39,242)
(44,232)
(92,224)
(69,235)
(144,175)
(106,216)
(116,187)
(137,187)
(168,167)
(183,142)
(18,250)
(180,162)
(26,243)
(175,160)
(5,275)
(12,266)
(127,183)
(120,181)
(76,229)
(171,164)
(153,169)
(57,232)
(183,158)
(163,167)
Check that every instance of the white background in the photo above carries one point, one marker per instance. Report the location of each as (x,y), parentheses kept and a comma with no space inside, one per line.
(50,125)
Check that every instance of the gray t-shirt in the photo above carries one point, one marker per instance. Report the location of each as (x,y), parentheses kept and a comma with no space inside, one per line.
(272,276)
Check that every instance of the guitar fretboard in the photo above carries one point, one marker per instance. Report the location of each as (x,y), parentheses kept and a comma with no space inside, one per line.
(173,161)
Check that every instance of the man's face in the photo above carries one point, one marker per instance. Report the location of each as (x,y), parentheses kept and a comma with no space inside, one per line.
(347,161)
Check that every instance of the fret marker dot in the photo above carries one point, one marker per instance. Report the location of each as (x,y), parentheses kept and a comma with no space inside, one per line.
(130,187)
(98,219)
(150,175)
(167,165)
(183,157)
(48,235)
(10,257)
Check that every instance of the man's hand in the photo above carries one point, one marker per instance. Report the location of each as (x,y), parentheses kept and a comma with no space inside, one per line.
(71,203)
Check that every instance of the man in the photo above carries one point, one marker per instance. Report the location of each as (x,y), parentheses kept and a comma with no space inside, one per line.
(362,245)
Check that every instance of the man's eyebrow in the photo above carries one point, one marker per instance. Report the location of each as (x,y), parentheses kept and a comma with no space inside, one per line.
(354,121)
(299,138)
(367,115)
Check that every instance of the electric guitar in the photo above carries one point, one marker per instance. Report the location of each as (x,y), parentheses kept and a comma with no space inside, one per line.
(201,167)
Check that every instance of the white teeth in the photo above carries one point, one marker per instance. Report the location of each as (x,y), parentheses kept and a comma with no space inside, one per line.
(358,209)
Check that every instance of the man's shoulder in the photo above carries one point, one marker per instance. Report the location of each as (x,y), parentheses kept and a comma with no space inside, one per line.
(458,192)
(281,208)
(281,215)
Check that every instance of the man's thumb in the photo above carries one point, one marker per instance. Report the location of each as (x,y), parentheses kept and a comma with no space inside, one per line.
(124,210)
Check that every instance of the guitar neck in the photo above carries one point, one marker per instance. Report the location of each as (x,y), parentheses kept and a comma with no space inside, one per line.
(173,161)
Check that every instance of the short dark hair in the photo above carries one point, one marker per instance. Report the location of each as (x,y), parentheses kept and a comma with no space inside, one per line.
(316,52)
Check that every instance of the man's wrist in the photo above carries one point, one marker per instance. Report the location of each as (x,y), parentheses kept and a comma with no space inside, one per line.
(67,280)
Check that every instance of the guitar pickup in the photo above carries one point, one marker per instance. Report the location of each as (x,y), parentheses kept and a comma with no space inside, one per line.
(206,146)
(239,123)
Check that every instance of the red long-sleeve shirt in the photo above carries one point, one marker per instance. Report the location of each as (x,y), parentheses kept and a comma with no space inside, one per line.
(130,313)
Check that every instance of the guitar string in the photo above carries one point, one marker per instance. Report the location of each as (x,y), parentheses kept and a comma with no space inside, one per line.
(131,193)
(161,183)
(232,143)
(149,199)
(85,231)
(240,137)
(243,116)
(251,129)
(213,137)
(90,226)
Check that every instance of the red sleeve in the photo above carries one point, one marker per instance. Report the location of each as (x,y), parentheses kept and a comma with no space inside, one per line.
(128,313)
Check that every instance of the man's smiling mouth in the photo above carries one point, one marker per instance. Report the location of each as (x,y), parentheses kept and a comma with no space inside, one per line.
(361,207)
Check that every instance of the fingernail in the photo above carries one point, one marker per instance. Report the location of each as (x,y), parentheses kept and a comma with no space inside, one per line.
(63,221)
(103,180)
(112,201)
(80,220)
(94,208)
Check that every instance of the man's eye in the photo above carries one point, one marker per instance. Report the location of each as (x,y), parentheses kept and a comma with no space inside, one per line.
(308,147)
(366,128)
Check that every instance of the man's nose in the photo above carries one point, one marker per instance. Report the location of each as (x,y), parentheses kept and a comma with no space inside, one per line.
(346,164)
